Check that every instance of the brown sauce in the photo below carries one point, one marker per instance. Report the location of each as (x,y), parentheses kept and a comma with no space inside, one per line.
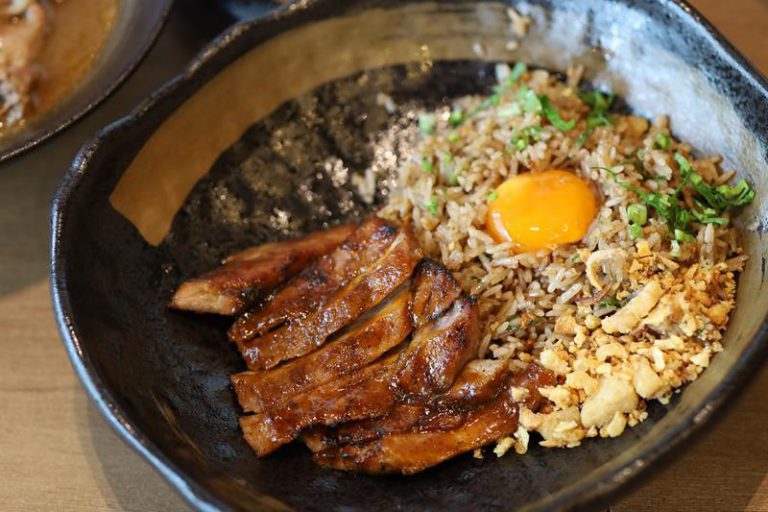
(77,32)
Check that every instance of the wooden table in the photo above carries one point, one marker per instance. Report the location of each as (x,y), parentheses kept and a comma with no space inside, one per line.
(56,453)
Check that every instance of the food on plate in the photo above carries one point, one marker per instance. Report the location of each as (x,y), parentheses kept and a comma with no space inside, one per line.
(251,274)
(438,434)
(305,330)
(47,47)
(442,346)
(536,210)
(543,267)
(23,27)
(381,329)
(308,291)
(598,245)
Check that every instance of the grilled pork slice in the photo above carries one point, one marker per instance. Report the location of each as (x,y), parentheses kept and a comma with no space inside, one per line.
(432,363)
(365,342)
(373,391)
(415,451)
(373,335)
(304,334)
(480,381)
(308,290)
(361,395)
(449,430)
(434,289)
(250,274)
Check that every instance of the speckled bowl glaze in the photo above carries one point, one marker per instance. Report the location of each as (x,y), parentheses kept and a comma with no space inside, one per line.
(136,27)
(255,142)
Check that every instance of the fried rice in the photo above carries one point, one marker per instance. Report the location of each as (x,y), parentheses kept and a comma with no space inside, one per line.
(626,316)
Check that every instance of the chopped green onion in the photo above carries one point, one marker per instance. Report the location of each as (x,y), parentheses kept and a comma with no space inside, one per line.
(737,195)
(635,231)
(456,117)
(720,197)
(492,196)
(575,258)
(638,214)
(535,131)
(685,165)
(553,116)
(453,179)
(531,102)
(427,165)
(522,139)
(597,101)
(427,123)
(667,206)
(610,302)
(495,98)
(453,137)
(663,141)
(517,71)
(431,206)
(707,215)
(682,236)
(599,104)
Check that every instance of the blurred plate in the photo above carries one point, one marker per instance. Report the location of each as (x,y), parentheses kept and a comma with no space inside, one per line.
(136,26)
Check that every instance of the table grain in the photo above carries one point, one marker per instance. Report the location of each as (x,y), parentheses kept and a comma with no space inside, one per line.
(56,452)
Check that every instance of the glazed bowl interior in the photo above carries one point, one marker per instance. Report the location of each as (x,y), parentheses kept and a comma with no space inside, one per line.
(259,140)
(136,25)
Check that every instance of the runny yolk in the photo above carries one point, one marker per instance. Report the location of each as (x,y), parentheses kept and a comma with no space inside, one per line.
(536,210)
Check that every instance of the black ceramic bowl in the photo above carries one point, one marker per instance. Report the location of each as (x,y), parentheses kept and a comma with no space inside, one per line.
(136,27)
(250,144)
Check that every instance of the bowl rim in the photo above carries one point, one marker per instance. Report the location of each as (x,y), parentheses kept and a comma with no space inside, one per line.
(80,108)
(579,495)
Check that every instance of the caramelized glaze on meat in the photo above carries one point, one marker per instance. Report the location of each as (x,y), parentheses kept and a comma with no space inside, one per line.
(533,378)
(480,381)
(432,363)
(452,429)
(434,289)
(414,451)
(364,343)
(316,284)
(376,373)
(373,391)
(252,273)
(364,394)
(305,334)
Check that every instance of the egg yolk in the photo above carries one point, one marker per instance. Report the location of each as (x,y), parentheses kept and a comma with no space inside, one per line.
(536,210)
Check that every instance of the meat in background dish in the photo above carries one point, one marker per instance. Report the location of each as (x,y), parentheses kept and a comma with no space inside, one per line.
(46,51)
(24,26)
